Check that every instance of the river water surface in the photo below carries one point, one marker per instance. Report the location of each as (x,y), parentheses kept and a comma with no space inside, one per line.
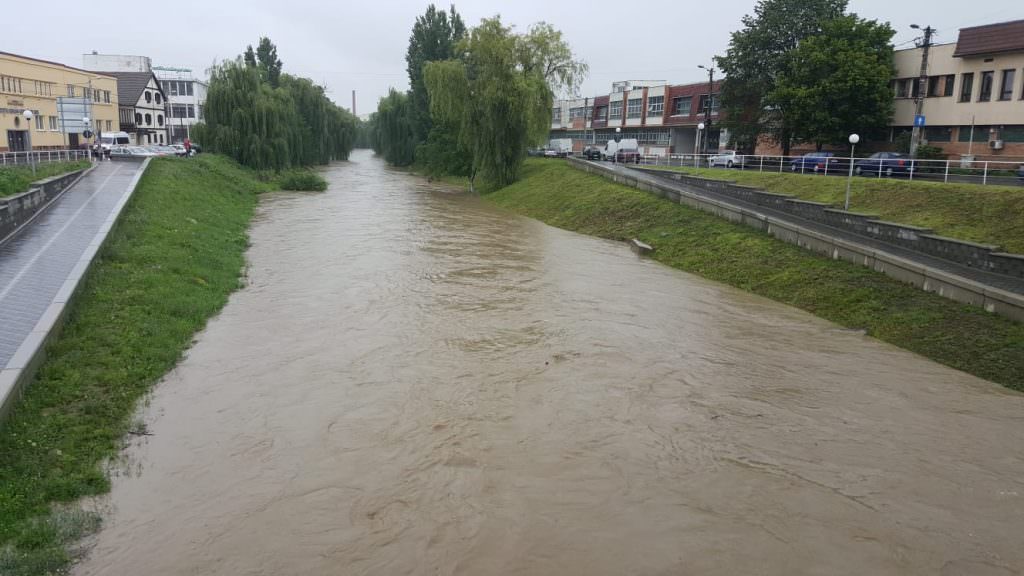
(415,382)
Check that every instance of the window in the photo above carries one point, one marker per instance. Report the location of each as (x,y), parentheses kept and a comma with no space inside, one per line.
(938,134)
(574,113)
(138,118)
(1006,92)
(985,94)
(980,134)
(556,115)
(966,86)
(933,86)
(160,119)
(681,106)
(615,110)
(602,113)
(106,96)
(655,105)
(53,123)
(39,121)
(188,88)
(633,107)
(915,87)
(149,119)
(901,88)
(10,84)
(179,111)
(703,104)
(156,95)
(149,96)
(71,90)
(109,126)
(201,112)
(1012,133)
(948,87)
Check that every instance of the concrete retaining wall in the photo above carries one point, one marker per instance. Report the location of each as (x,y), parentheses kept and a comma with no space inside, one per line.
(981,256)
(17,210)
(929,279)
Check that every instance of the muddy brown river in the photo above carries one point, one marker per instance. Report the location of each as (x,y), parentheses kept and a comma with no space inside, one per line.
(415,382)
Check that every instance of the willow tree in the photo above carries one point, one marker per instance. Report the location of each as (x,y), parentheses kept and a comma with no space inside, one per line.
(272,121)
(393,123)
(499,93)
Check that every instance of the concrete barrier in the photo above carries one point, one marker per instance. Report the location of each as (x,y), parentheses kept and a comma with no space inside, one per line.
(952,286)
(20,209)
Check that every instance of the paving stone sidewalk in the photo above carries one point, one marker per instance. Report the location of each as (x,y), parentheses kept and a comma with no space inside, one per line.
(35,263)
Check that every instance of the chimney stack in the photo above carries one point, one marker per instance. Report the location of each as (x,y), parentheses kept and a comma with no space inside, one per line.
(353,102)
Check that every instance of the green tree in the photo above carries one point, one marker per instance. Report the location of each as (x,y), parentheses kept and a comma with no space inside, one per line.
(266,55)
(393,122)
(756,57)
(434,36)
(499,94)
(837,82)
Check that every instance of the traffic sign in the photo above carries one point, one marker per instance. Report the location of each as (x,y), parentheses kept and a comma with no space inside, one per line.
(919,121)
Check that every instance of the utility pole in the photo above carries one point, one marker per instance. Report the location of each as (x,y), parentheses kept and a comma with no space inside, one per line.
(922,89)
(708,104)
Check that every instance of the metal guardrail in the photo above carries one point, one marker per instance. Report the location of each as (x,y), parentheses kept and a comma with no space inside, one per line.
(985,172)
(41,156)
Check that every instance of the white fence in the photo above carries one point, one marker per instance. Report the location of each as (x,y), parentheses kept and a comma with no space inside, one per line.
(40,156)
(1008,173)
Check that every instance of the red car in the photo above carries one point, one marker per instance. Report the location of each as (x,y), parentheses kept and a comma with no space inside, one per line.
(627,155)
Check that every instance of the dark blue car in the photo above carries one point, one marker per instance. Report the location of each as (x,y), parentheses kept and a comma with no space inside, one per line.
(814,162)
(888,163)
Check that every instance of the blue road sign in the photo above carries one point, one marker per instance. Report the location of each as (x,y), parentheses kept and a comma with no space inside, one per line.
(919,121)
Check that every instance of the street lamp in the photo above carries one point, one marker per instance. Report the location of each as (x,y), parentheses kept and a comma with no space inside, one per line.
(85,134)
(849,178)
(28,130)
(700,132)
(710,101)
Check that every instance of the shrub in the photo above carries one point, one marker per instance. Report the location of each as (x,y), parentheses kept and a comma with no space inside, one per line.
(303,181)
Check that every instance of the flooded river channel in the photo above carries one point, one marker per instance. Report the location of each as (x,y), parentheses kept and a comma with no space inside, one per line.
(415,382)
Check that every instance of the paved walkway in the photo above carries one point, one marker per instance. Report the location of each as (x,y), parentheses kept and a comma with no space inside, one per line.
(37,261)
(1008,283)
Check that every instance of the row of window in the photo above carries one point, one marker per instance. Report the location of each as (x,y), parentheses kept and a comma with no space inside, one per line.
(1008,79)
(151,96)
(655,107)
(94,94)
(649,137)
(177,87)
(940,134)
(52,123)
(182,111)
(139,117)
(14,85)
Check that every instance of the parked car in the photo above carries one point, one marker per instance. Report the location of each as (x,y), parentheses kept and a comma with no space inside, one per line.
(816,162)
(1020,173)
(108,140)
(179,149)
(535,152)
(627,155)
(592,153)
(888,163)
(130,152)
(727,158)
(561,146)
(551,153)
(611,147)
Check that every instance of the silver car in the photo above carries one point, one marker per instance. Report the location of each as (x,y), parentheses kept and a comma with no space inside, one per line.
(727,158)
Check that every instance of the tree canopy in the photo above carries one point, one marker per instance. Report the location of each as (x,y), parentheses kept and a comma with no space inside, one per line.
(756,58)
(434,36)
(266,125)
(837,82)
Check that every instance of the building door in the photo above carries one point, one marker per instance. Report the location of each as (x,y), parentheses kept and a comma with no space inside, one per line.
(16,141)
(73,140)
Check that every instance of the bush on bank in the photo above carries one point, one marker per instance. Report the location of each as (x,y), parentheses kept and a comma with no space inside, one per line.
(302,181)
(961,336)
(170,263)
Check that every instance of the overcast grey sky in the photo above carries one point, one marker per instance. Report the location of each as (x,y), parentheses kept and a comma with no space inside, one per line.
(361,45)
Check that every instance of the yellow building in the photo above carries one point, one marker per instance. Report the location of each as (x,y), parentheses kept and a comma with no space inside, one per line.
(36,85)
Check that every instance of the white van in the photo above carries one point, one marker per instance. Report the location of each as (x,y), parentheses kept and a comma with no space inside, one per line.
(561,146)
(608,153)
(110,139)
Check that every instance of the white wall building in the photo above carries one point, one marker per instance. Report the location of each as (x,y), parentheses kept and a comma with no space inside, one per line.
(187,97)
(116,62)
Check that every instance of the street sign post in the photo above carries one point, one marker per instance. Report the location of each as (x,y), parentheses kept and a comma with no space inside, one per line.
(919,121)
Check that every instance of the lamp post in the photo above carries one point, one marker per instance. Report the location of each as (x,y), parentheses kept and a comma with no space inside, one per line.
(696,142)
(711,99)
(849,178)
(85,134)
(28,130)
(618,138)
(922,88)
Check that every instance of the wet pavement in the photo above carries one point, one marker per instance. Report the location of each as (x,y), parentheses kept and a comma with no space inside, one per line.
(415,382)
(36,261)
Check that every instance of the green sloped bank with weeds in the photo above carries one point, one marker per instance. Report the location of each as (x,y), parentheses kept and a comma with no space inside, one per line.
(964,337)
(18,179)
(175,255)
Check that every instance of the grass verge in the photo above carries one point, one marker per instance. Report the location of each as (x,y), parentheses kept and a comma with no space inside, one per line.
(957,335)
(175,255)
(17,179)
(987,214)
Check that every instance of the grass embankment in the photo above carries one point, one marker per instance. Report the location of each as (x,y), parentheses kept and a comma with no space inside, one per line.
(986,214)
(17,179)
(957,335)
(175,255)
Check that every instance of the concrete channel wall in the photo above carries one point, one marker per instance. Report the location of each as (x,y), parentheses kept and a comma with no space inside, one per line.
(927,278)
(21,369)
(17,210)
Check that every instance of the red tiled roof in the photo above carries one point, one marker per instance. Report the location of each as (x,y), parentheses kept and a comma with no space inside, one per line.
(991,39)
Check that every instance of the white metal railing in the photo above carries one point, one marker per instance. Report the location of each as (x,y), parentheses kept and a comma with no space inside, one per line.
(991,172)
(41,156)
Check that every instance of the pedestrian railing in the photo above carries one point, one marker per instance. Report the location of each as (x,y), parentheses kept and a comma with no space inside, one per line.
(1008,172)
(40,156)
